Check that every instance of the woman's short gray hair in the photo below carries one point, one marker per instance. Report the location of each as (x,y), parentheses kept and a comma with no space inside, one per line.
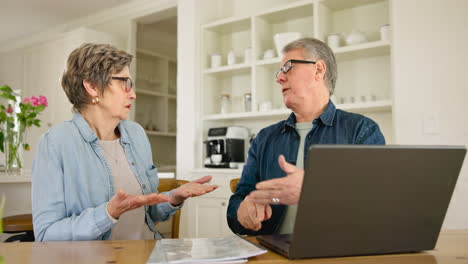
(95,63)
(314,49)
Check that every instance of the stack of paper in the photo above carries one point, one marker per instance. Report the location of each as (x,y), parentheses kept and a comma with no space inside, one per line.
(231,249)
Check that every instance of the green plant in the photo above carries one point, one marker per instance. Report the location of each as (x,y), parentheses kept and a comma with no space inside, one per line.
(15,117)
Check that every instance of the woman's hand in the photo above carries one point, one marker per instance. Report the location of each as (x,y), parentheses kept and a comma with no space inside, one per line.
(191,189)
(122,202)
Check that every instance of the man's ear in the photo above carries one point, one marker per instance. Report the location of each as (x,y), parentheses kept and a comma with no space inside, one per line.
(91,88)
(321,70)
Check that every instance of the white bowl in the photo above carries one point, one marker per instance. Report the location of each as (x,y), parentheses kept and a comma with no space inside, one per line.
(282,39)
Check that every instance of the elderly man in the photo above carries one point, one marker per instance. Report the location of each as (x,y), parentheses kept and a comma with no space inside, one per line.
(268,191)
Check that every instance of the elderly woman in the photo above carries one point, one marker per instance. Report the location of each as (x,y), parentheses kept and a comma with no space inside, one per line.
(93,176)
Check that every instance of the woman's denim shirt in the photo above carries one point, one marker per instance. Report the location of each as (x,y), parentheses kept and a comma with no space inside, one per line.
(72,182)
(333,126)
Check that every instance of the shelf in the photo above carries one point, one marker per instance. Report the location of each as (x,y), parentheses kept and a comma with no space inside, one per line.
(146,92)
(236,68)
(368,49)
(166,175)
(228,25)
(248,115)
(337,5)
(148,81)
(287,12)
(155,54)
(377,106)
(160,133)
(268,62)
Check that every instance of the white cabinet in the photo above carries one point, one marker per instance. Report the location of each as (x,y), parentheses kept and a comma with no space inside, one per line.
(205,216)
(210,217)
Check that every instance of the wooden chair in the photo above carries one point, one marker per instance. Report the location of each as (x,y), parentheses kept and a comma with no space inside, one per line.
(166,185)
(19,224)
(233,184)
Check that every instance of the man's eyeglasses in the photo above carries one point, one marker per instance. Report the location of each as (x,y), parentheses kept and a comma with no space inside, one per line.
(289,64)
(128,83)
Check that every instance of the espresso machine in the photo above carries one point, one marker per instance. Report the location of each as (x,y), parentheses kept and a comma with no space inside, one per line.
(226,147)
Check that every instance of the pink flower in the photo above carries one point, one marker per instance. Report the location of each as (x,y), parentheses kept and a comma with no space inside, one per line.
(9,109)
(26,100)
(34,101)
(43,101)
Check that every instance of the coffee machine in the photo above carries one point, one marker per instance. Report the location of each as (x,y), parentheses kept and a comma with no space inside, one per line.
(226,147)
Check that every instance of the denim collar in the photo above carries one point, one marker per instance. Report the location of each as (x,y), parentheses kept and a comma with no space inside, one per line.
(326,117)
(88,134)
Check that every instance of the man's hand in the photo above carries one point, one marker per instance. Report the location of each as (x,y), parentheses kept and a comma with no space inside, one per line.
(191,189)
(285,190)
(122,202)
(251,215)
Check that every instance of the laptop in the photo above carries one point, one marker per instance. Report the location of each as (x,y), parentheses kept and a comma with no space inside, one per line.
(364,200)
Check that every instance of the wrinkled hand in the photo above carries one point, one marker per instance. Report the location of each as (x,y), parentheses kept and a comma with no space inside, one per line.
(251,215)
(122,202)
(191,189)
(286,189)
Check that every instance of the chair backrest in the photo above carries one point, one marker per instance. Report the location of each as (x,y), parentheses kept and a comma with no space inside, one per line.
(233,184)
(166,185)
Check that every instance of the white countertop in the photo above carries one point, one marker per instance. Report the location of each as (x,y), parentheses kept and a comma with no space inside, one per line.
(23,176)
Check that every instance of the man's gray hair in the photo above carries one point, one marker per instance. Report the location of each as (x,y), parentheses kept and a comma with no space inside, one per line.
(314,49)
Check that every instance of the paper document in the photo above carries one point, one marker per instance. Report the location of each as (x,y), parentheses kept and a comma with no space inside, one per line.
(230,249)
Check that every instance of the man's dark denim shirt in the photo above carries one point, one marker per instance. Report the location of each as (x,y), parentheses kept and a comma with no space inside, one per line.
(333,126)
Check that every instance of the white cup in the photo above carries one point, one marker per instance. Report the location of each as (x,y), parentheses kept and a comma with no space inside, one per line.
(215,60)
(216,158)
(385,32)
(231,58)
(266,106)
(333,41)
(269,54)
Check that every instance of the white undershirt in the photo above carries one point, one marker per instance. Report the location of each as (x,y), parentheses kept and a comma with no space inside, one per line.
(131,225)
(287,227)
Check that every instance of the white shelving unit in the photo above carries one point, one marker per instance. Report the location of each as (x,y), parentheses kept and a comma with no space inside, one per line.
(363,69)
(156,90)
(156,104)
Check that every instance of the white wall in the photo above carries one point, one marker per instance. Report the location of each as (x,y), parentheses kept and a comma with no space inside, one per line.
(430,50)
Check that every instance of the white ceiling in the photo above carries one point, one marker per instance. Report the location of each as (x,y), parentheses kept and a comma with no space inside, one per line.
(19,18)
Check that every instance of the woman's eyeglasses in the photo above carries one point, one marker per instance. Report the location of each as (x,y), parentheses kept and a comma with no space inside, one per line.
(289,64)
(128,83)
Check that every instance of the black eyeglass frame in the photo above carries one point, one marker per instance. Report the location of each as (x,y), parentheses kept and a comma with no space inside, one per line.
(128,82)
(285,69)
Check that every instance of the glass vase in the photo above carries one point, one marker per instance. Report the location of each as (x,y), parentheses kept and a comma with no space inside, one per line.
(13,146)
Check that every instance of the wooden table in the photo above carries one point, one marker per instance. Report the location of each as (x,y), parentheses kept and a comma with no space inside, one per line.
(452,247)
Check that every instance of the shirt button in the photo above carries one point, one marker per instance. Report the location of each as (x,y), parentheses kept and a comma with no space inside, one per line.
(144,186)
(133,163)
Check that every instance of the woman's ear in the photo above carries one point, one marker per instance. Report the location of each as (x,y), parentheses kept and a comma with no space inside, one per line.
(321,70)
(91,88)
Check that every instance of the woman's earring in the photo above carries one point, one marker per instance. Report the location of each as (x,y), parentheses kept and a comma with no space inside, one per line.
(95,100)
